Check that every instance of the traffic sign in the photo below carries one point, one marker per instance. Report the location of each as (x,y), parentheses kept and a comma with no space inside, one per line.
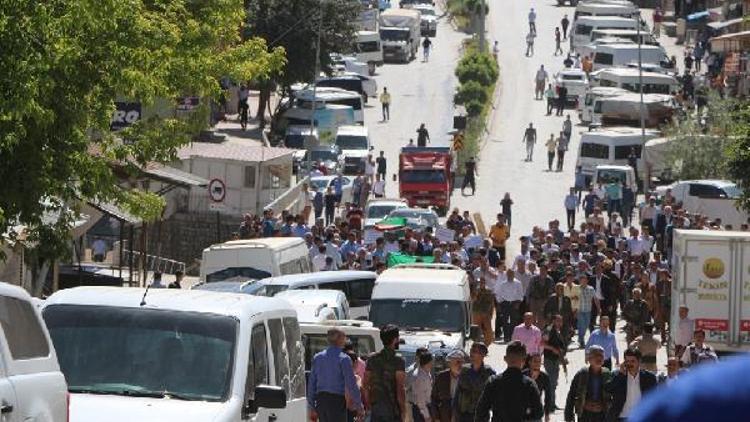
(217,190)
(458,141)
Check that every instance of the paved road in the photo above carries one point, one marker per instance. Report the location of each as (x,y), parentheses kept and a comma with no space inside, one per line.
(420,93)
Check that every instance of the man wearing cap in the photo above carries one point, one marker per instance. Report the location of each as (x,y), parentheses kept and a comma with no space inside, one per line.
(444,388)
(587,400)
(471,383)
(510,396)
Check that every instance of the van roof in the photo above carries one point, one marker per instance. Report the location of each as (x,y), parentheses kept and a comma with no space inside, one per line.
(300,130)
(713,182)
(317,277)
(631,72)
(603,19)
(169,299)
(324,93)
(310,297)
(613,167)
(14,291)
(607,91)
(420,281)
(616,132)
(263,242)
(625,47)
(352,130)
(400,12)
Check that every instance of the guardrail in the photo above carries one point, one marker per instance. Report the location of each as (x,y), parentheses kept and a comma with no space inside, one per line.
(290,200)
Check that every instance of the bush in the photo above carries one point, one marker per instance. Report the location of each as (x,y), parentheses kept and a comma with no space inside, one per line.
(474,108)
(479,67)
(471,91)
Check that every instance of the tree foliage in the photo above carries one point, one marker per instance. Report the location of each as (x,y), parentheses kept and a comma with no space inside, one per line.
(479,67)
(64,64)
(738,152)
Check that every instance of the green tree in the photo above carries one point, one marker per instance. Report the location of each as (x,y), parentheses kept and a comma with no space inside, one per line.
(294,25)
(738,152)
(479,67)
(65,62)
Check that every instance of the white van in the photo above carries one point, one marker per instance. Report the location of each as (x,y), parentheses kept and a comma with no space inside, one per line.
(606,173)
(617,55)
(369,49)
(628,78)
(586,107)
(32,387)
(255,259)
(629,34)
(331,95)
(623,9)
(582,27)
(430,303)
(356,285)
(315,306)
(326,119)
(354,143)
(712,198)
(610,145)
(625,110)
(177,355)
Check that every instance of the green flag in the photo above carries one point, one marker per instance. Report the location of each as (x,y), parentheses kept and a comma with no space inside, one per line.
(396,258)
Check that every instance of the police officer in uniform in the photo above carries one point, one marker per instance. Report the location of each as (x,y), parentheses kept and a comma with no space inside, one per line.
(471,383)
(385,379)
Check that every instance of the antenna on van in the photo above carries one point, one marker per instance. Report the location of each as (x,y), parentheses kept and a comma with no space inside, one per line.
(143,299)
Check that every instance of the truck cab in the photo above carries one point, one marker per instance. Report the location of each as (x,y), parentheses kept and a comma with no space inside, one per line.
(354,143)
(400,30)
(425,177)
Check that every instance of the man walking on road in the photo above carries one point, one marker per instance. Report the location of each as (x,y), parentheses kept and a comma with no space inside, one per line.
(529,137)
(571,203)
(530,44)
(540,79)
(567,127)
(557,41)
(587,399)
(605,339)
(332,381)
(562,97)
(528,334)
(564,23)
(628,385)
(381,165)
(385,102)
(384,380)
(423,136)
(469,176)
(532,21)
(471,383)
(562,146)
(426,45)
(551,145)
(551,96)
(511,396)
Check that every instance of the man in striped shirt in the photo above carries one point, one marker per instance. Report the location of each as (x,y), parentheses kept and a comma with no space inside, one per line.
(588,301)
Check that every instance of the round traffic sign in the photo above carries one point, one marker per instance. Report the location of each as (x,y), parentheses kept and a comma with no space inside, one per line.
(217,190)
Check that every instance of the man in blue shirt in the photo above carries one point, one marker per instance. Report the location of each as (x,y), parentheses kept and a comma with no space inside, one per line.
(349,246)
(338,188)
(331,380)
(268,223)
(605,339)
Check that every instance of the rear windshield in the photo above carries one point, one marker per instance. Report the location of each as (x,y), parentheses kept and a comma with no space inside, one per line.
(351,142)
(423,176)
(368,46)
(603,58)
(595,151)
(314,343)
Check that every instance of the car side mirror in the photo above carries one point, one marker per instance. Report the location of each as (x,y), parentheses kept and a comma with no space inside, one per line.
(266,396)
(474,332)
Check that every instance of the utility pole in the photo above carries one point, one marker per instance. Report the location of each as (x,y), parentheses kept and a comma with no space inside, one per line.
(482,10)
(646,183)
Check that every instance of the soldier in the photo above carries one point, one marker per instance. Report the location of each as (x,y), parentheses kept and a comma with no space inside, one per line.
(444,388)
(482,307)
(384,380)
(636,314)
(471,383)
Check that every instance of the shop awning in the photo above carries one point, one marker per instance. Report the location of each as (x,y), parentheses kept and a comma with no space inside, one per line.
(738,41)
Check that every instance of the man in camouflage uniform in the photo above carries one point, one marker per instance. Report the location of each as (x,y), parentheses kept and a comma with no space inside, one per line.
(471,383)
(636,314)
(384,380)
(482,307)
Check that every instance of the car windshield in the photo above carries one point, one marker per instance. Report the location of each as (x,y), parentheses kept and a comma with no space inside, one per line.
(141,352)
(419,314)
(323,155)
(423,176)
(394,34)
(237,272)
(379,211)
(732,191)
(351,142)
(314,343)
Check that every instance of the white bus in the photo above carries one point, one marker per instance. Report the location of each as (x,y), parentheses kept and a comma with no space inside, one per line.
(582,27)
(619,55)
(628,79)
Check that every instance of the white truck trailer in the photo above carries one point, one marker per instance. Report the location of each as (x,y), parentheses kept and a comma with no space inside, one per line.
(711,276)
(400,34)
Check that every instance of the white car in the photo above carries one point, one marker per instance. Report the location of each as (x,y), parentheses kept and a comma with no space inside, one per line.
(379,208)
(323,182)
(417,218)
(428,24)
(575,81)
(32,387)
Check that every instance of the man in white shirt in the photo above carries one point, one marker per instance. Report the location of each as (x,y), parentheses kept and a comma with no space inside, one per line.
(635,244)
(684,333)
(508,297)
(571,203)
(628,385)
(378,188)
(319,260)
(419,386)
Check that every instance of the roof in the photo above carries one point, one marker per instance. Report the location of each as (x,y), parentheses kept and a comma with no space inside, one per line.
(234,152)
(300,130)
(632,72)
(585,19)
(422,281)
(263,242)
(312,297)
(323,93)
(713,182)
(115,211)
(386,201)
(607,90)
(174,176)
(173,299)
(619,131)
(627,46)
(321,276)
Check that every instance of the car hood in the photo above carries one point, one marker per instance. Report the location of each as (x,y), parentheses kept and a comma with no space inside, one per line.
(360,153)
(432,339)
(89,408)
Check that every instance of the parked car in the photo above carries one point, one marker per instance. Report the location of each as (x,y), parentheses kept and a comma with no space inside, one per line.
(32,386)
(379,208)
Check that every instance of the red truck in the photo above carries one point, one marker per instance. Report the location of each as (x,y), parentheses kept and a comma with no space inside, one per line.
(425,177)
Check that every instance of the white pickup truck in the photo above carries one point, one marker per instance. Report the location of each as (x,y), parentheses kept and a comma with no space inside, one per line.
(32,387)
